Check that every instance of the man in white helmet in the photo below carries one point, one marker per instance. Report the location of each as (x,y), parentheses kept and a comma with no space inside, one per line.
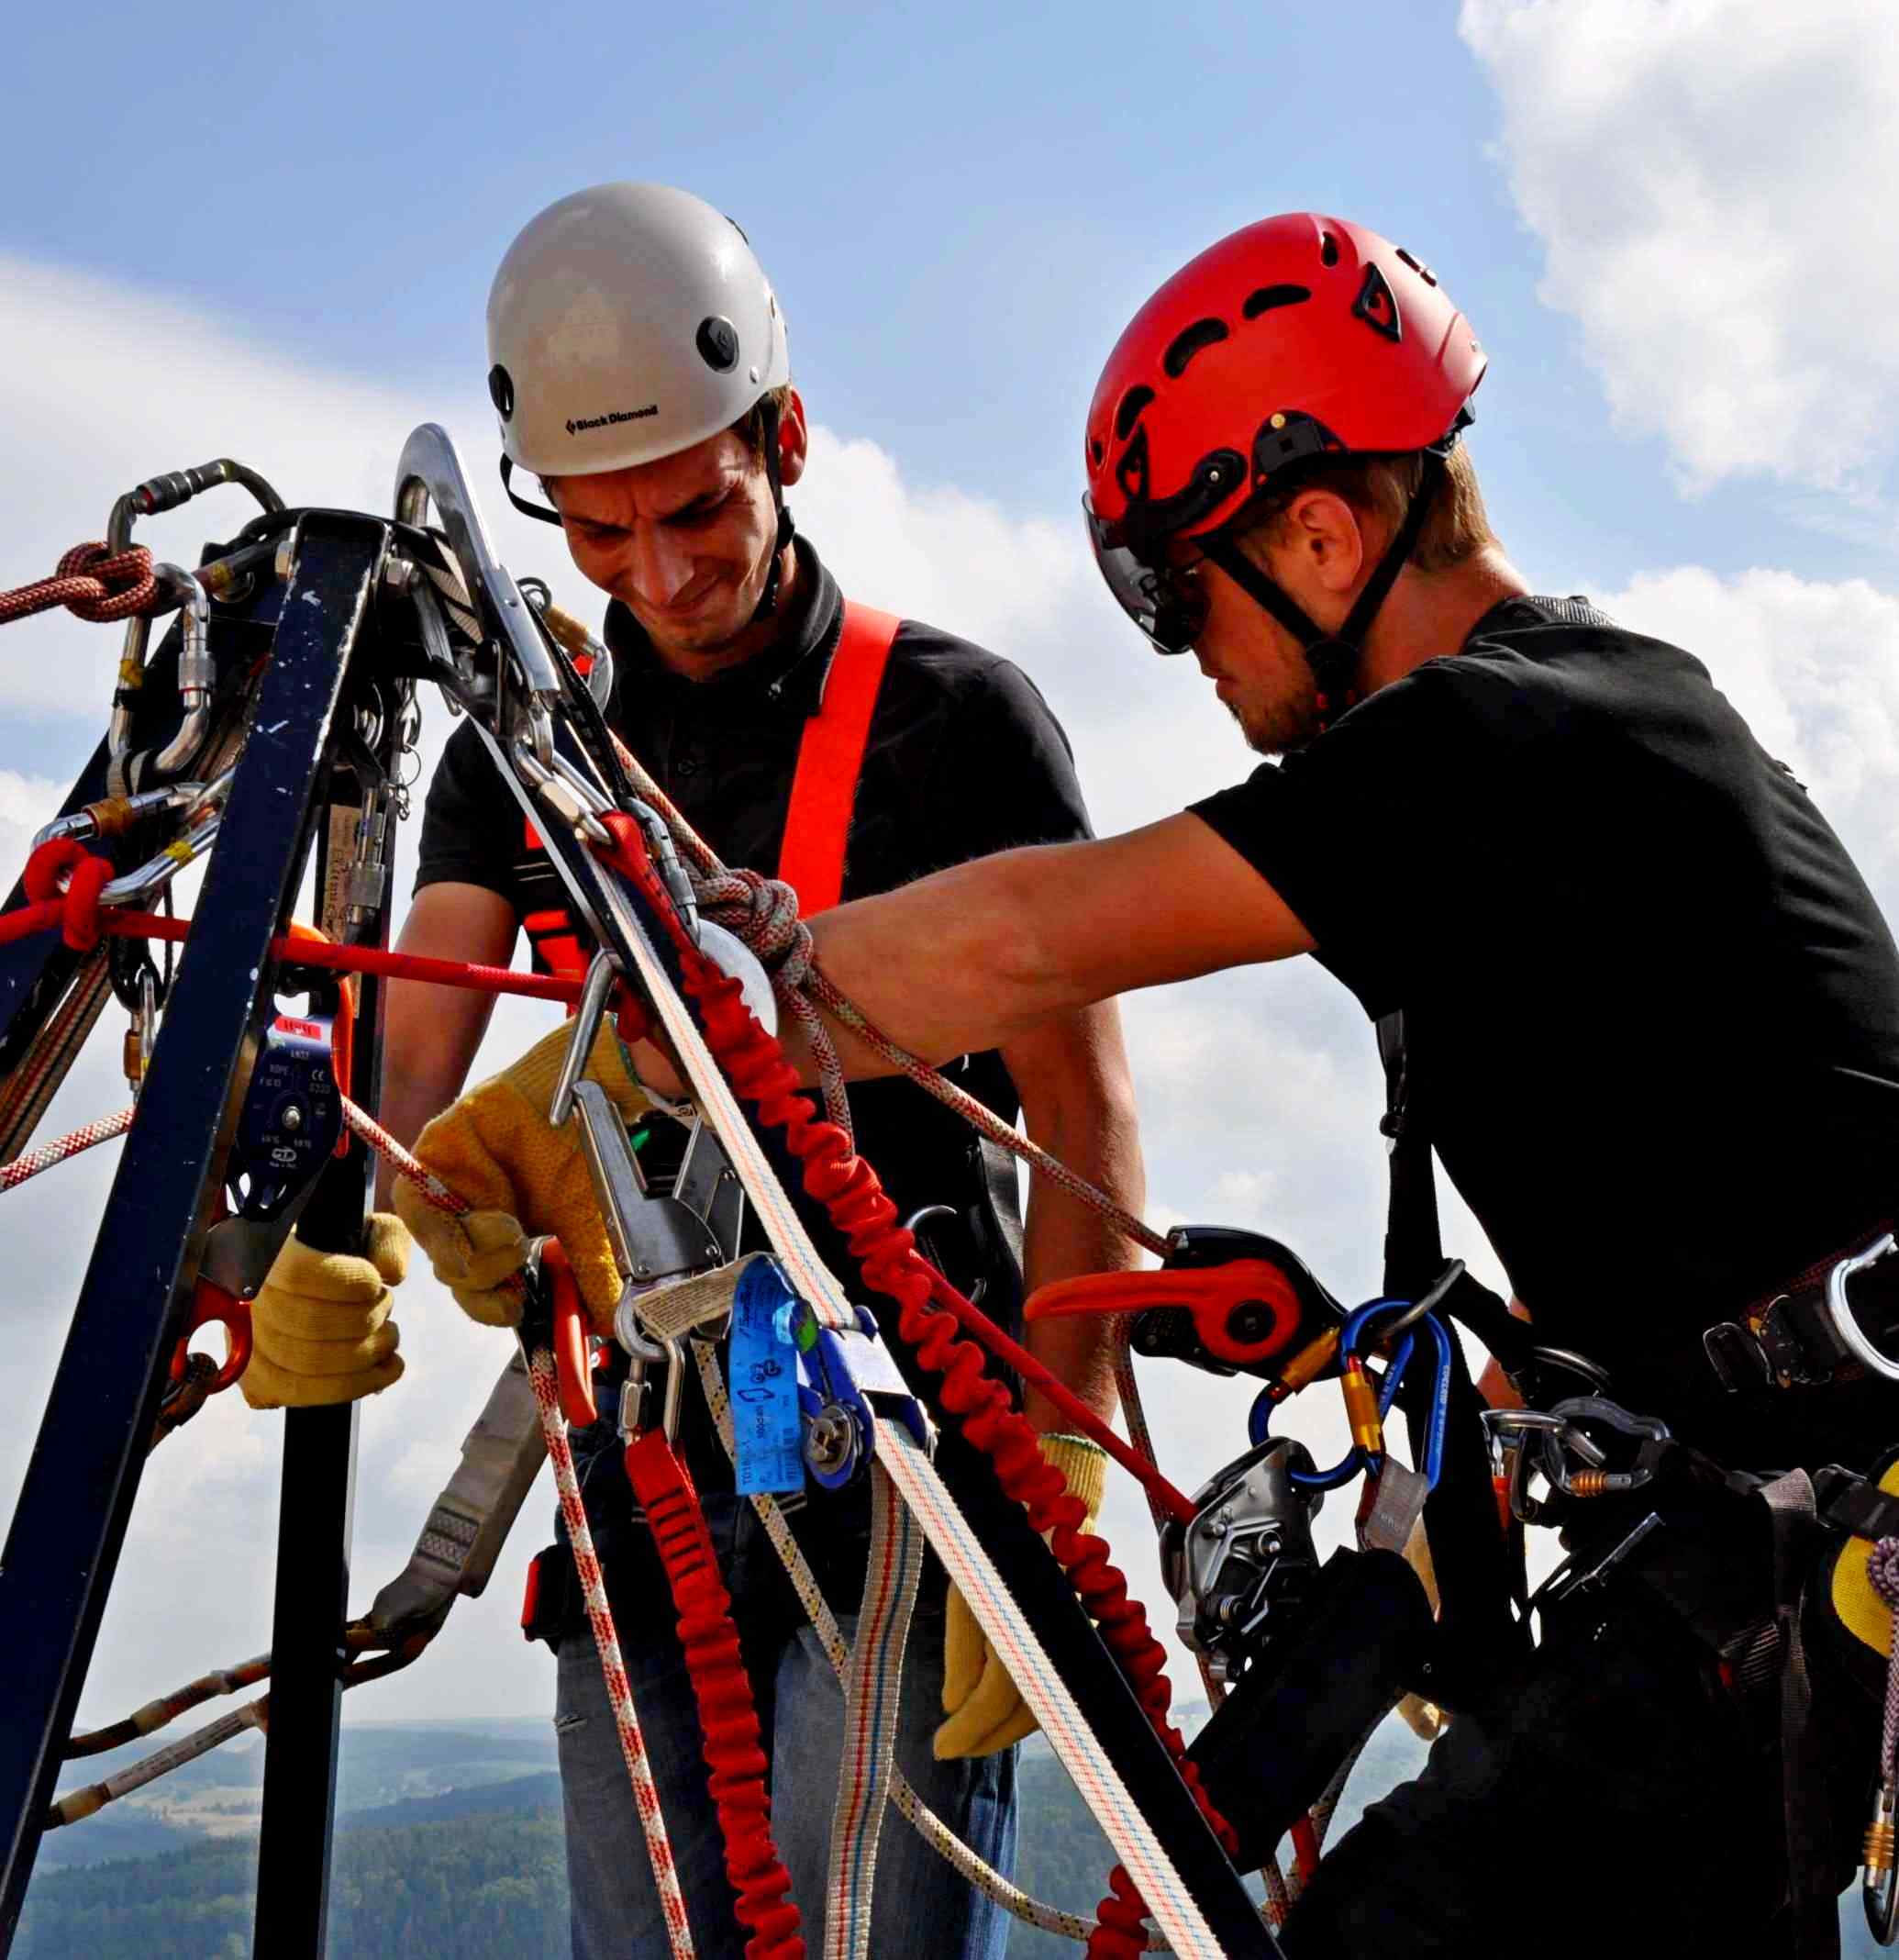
(641,372)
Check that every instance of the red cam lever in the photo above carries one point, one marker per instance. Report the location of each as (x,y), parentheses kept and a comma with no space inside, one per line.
(1225,1302)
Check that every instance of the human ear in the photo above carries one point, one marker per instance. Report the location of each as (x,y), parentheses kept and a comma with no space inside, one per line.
(793,440)
(1326,534)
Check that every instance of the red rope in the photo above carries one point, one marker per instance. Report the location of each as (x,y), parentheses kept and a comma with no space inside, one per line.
(76,910)
(930,1313)
(727,1716)
(89,582)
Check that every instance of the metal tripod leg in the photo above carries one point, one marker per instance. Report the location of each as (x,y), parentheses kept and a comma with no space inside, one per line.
(63,1546)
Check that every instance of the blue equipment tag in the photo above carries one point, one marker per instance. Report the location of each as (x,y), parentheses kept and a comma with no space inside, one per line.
(764,1386)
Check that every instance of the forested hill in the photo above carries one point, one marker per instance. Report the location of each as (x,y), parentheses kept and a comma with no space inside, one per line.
(468,1875)
(478,1874)
(486,1882)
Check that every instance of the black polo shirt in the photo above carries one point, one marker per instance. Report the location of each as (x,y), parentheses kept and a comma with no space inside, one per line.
(1652,1008)
(963,758)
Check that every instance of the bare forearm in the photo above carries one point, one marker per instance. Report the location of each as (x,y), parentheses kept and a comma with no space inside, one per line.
(1078,1104)
(410,1098)
(952,963)
(1064,1237)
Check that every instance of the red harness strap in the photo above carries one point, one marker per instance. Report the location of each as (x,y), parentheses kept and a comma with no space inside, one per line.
(831,759)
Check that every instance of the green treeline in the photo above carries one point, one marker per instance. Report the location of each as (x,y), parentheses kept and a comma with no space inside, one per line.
(490,1886)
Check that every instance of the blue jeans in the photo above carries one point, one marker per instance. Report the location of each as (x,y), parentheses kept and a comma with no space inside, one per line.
(926,1911)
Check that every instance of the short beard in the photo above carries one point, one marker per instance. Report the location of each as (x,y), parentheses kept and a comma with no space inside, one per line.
(1282,729)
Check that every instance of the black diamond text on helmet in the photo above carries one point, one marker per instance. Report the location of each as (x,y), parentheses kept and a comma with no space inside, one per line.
(577,424)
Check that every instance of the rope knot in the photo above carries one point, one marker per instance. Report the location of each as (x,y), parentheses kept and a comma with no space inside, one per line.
(96,585)
(85,875)
(763,912)
(119,583)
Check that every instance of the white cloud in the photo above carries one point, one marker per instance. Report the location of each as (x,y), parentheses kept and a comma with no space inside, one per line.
(1814,669)
(1711,182)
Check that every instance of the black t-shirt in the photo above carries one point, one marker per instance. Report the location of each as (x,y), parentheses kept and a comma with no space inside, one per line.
(963,758)
(1652,1009)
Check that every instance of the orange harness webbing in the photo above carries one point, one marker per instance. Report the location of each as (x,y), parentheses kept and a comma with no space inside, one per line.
(831,759)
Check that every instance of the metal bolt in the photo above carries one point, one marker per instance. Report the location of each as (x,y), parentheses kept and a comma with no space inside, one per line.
(293,1119)
(829,1442)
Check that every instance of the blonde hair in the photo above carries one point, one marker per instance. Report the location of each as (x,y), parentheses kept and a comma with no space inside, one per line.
(1382,487)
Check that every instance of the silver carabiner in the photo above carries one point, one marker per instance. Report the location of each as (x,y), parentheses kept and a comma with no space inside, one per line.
(1841,1309)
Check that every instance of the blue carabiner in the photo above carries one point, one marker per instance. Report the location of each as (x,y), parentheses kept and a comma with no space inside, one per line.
(1259,1418)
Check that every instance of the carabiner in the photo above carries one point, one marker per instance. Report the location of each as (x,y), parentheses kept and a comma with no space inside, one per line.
(210,1303)
(1879,1874)
(1841,1310)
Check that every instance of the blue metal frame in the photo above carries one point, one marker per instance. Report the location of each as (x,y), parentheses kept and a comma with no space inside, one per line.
(63,1548)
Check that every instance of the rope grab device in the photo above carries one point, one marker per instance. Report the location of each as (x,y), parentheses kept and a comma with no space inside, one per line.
(281,710)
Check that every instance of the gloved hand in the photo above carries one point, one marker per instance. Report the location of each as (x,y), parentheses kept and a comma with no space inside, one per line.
(320,1330)
(982,1709)
(496,1149)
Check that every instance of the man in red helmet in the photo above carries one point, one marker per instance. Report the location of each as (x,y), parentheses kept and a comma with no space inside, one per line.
(1651,1018)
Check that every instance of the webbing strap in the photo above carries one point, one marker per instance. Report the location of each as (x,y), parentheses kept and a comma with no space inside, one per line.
(1473,1557)
(973,1573)
(1813,1928)
(874,1684)
(830,759)
(934,1832)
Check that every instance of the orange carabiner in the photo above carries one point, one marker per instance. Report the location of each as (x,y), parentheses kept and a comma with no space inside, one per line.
(211,1303)
(573,1356)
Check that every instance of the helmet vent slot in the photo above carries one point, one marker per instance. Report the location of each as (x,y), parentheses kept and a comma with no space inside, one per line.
(1263,299)
(1129,413)
(1377,306)
(1329,248)
(1190,341)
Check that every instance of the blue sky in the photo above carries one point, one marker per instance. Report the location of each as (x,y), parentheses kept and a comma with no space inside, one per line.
(958,211)
(1668,219)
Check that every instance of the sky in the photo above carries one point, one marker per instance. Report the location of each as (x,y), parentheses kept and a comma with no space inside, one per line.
(1669,221)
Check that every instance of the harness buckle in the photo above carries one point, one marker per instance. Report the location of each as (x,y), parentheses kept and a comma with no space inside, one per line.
(848,1380)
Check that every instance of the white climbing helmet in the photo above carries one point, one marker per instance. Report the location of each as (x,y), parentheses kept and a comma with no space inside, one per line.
(627,323)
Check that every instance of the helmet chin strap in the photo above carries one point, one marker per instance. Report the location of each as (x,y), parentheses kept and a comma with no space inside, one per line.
(767,607)
(538,511)
(1334,657)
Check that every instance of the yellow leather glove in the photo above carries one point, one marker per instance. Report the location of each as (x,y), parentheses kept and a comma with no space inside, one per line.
(496,1149)
(982,1709)
(320,1330)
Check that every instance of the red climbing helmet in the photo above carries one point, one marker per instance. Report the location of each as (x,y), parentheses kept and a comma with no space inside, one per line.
(1296,337)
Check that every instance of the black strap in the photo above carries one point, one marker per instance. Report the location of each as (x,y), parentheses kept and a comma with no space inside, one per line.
(541,513)
(1478,1634)
(1335,657)
(1814,1922)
